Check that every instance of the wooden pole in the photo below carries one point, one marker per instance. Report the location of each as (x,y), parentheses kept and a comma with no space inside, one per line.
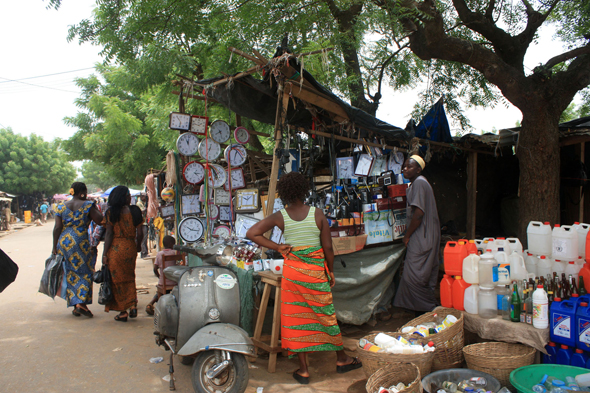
(582,158)
(471,194)
(351,140)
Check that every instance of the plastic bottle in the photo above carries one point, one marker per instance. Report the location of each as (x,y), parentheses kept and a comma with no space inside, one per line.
(515,245)
(540,308)
(583,326)
(471,247)
(454,254)
(544,266)
(563,322)
(579,358)
(584,272)
(558,267)
(572,268)
(564,355)
(487,302)
(565,242)
(506,300)
(446,291)
(517,267)
(471,268)
(501,291)
(480,246)
(539,238)
(531,264)
(582,230)
(502,271)
(583,380)
(551,349)
(490,244)
(470,302)
(458,291)
(486,269)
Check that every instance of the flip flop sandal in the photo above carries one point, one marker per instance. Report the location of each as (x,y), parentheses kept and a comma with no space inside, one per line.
(119,318)
(300,378)
(75,313)
(149,309)
(133,313)
(356,363)
(84,312)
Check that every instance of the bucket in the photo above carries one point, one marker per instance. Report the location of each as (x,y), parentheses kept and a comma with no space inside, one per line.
(565,242)
(524,378)
(454,254)
(471,269)
(539,238)
(582,230)
(470,301)
(563,322)
(446,291)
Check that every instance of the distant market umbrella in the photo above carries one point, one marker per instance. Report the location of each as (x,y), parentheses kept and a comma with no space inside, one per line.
(107,192)
(60,197)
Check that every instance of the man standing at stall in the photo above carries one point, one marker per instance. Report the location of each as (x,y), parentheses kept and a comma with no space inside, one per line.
(422,239)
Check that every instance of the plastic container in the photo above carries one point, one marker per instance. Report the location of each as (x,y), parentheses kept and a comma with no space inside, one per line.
(471,247)
(491,244)
(544,266)
(458,291)
(583,380)
(470,301)
(524,377)
(487,263)
(517,266)
(446,291)
(515,245)
(503,244)
(582,230)
(579,358)
(454,254)
(502,270)
(479,245)
(564,355)
(563,322)
(583,325)
(565,242)
(572,268)
(551,355)
(487,302)
(471,268)
(540,308)
(558,267)
(584,272)
(530,263)
(539,238)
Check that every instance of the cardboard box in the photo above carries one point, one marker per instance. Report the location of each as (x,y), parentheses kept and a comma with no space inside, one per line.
(348,244)
(399,223)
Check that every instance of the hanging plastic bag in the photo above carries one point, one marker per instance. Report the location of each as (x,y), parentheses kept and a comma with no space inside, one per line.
(8,271)
(52,276)
(105,293)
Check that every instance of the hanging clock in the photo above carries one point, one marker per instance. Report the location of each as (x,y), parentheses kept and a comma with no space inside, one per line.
(235,155)
(241,135)
(345,167)
(237,179)
(190,204)
(199,124)
(191,229)
(395,162)
(222,231)
(209,149)
(364,165)
(225,213)
(220,131)
(213,212)
(187,144)
(379,166)
(247,201)
(180,121)
(221,197)
(217,176)
(193,172)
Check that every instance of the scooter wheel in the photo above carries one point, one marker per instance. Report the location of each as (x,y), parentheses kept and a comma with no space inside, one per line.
(234,379)
(186,360)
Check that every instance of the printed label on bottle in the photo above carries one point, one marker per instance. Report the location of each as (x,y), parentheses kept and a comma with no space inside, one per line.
(499,298)
(529,319)
(561,325)
(495,275)
(504,273)
(559,248)
(584,329)
(540,311)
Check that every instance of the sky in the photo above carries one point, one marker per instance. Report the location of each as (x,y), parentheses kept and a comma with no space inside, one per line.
(34,44)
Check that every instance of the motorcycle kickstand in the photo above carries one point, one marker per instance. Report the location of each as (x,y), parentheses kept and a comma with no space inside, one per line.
(171,371)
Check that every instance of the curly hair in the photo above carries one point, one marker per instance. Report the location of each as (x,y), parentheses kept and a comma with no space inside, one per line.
(292,187)
(117,200)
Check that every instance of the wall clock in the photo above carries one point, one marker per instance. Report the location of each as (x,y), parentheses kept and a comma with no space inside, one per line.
(364,165)
(209,149)
(222,231)
(199,124)
(243,223)
(217,175)
(241,135)
(237,179)
(213,212)
(225,213)
(379,166)
(277,236)
(247,200)
(187,144)
(220,131)
(190,204)
(193,172)
(221,197)
(395,162)
(345,167)
(235,155)
(167,211)
(191,229)
(180,121)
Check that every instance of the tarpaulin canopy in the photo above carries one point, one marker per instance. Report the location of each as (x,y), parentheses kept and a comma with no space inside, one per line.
(434,125)
(61,197)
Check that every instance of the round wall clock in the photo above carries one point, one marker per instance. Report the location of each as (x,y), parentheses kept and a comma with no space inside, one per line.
(209,149)
(187,144)
(219,131)
(241,135)
(213,212)
(235,155)
(191,229)
(222,231)
(216,176)
(193,172)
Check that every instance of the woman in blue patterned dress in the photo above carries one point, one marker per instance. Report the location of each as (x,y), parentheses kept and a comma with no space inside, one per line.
(70,240)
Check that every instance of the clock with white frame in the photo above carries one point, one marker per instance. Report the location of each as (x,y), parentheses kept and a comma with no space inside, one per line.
(225,213)
(235,155)
(190,204)
(199,124)
(220,131)
(345,167)
(364,165)
(221,197)
(237,179)
(180,121)
(187,144)
(379,165)
(193,172)
(243,223)
(209,149)
(217,175)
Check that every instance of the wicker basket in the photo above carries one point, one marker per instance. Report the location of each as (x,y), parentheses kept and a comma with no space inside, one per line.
(373,361)
(498,359)
(407,373)
(449,342)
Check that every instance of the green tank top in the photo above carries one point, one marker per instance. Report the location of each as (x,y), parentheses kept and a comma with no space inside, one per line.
(302,233)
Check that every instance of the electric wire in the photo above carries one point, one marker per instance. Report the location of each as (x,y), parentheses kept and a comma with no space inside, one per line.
(43,76)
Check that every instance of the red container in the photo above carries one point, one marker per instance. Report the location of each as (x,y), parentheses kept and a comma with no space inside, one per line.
(446,291)
(585,272)
(458,291)
(454,254)
(397,190)
(471,247)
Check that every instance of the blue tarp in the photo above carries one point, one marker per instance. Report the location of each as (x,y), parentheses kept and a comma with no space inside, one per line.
(434,125)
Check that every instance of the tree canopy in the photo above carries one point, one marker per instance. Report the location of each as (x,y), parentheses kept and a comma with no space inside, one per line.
(29,165)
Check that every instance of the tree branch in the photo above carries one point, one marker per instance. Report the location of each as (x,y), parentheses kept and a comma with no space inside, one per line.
(490,10)
(566,56)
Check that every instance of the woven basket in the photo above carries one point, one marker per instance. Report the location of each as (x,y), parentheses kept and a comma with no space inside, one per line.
(498,359)
(407,373)
(448,343)
(373,361)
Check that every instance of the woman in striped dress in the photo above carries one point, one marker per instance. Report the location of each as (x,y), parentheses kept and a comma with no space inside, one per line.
(308,318)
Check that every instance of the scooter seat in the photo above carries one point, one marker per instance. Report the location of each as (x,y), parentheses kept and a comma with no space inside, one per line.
(175,272)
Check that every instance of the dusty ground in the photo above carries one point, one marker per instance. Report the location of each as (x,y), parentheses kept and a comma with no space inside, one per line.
(44,348)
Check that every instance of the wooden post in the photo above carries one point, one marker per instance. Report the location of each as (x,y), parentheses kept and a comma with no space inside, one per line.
(471,194)
(274,173)
(582,158)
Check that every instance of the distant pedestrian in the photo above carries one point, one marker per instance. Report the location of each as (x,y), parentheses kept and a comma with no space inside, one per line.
(44,208)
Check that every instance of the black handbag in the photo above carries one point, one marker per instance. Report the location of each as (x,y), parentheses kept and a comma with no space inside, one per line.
(98,277)
(105,293)
(8,270)
(52,276)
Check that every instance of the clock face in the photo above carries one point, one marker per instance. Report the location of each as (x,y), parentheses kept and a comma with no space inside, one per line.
(213,212)
(363,168)
(187,144)
(217,176)
(379,166)
(199,124)
(225,213)
(344,167)
(190,204)
(247,200)
(235,154)
(220,131)
(191,229)
(395,162)
(222,231)
(241,135)
(209,149)
(221,196)
(180,121)
(193,172)
(237,179)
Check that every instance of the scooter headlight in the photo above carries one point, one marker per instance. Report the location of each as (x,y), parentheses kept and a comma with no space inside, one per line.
(214,314)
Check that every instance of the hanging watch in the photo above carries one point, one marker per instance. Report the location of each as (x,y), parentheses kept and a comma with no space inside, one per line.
(193,172)
(241,135)
(199,124)
(235,155)
(209,149)
(191,229)
(217,175)
(237,179)
(219,131)
(213,212)
(187,144)
(180,121)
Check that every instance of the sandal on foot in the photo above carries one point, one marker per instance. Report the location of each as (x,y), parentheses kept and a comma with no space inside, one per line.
(149,309)
(75,313)
(133,313)
(300,378)
(82,311)
(356,363)
(119,318)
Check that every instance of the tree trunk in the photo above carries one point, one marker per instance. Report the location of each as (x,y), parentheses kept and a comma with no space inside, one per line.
(539,163)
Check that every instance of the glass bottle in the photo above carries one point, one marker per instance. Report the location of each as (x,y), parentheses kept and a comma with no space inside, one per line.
(523,306)
(573,286)
(506,306)
(582,289)
(515,305)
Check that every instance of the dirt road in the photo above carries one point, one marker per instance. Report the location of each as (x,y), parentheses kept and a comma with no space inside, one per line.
(44,348)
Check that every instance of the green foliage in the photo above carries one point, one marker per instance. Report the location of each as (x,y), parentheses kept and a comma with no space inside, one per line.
(30,165)
(96,177)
